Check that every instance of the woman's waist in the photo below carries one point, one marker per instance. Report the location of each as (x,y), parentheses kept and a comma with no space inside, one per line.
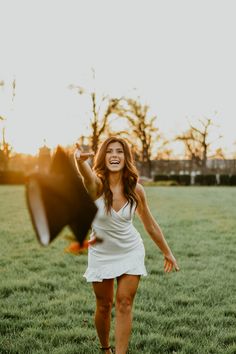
(114,246)
(128,232)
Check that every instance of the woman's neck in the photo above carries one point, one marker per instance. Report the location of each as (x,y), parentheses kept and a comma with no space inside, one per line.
(115,179)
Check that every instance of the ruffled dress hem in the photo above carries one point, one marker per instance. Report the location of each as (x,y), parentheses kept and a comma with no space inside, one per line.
(113,271)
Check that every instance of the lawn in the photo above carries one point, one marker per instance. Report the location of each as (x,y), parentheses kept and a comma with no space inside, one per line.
(46,306)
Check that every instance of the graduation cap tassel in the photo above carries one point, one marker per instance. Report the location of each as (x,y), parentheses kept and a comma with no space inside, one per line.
(76,248)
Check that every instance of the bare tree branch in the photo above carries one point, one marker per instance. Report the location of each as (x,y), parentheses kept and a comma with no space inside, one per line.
(99,120)
(196,142)
(142,126)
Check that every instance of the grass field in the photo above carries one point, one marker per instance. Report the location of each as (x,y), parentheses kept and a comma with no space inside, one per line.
(46,306)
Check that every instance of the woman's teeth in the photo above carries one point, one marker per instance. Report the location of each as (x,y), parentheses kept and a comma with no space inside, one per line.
(114,162)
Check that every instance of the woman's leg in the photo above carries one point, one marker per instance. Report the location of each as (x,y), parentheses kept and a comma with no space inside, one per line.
(104,300)
(127,286)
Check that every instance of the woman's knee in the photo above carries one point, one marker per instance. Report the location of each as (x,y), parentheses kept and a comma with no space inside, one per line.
(124,304)
(104,307)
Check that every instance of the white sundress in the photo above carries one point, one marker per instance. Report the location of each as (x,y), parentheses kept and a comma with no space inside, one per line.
(121,251)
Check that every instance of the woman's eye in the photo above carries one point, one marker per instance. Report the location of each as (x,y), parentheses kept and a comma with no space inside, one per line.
(115,152)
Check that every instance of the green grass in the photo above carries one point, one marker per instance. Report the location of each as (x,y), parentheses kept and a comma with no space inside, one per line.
(46,306)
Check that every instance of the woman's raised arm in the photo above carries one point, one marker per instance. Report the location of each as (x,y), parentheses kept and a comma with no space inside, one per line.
(91,182)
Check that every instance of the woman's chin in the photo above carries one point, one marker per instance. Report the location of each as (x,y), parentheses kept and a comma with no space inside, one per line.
(115,168)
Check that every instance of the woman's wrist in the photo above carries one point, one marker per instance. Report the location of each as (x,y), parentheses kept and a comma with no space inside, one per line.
(80,161)
(167,253)
(77,156)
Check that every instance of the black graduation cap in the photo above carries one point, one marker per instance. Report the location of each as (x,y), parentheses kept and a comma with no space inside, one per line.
(58,199)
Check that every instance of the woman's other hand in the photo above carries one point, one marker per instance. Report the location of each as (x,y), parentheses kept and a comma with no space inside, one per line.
(170,263)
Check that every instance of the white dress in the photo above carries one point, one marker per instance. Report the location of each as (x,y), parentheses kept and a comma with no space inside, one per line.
(122,250)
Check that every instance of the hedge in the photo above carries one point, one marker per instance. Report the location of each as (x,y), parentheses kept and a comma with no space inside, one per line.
(158,178)
(184,180)
(224,180)
(12,177)
(232,180)
(205,180)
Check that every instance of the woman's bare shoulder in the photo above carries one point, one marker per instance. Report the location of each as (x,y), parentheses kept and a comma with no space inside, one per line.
(140,190)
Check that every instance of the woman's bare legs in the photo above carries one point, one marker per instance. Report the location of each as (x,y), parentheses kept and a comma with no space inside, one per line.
(127,286)
(104,300)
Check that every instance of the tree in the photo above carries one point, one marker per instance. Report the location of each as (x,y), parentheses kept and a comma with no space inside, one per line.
(143,129)
(5,151)
(219,154)
(196,141)
(164,153)
(101,111)
(5,148)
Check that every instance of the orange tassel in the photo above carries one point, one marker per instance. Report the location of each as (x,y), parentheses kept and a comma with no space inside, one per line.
(75,247)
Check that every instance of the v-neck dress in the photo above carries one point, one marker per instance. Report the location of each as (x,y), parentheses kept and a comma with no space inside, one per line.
(121,251)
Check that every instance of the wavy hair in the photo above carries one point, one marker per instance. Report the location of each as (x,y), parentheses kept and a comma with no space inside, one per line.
(129,177)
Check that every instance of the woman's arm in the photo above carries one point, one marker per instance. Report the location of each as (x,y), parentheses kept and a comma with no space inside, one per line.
(154,230)
(91,182)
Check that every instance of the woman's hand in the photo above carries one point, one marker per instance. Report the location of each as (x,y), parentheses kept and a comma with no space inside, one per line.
(92,183)
(170,263)
(82,156)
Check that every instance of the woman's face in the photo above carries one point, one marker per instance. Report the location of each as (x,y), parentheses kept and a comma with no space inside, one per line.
(115,158)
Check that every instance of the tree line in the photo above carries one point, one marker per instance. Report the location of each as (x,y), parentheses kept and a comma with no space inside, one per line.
(142,130)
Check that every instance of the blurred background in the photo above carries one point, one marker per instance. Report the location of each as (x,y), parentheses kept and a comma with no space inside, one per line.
(161,74)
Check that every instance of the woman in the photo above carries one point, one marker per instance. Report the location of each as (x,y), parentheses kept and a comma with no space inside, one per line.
(112,183)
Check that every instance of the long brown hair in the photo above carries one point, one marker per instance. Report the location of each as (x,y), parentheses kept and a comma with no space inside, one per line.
(129,177)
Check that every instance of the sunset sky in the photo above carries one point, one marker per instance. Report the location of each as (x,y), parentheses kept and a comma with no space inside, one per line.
(178,56)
